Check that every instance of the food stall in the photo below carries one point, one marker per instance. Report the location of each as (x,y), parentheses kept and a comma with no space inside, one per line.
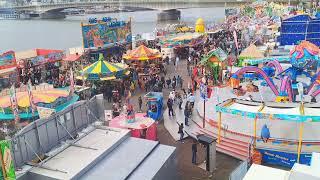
(141,126)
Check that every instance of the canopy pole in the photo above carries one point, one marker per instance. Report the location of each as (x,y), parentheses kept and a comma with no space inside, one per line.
(300,141)
(219,128)
(255,131)
(255,124)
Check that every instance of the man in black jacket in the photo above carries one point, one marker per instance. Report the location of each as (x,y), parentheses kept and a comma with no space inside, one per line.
(170,107)
(186,115)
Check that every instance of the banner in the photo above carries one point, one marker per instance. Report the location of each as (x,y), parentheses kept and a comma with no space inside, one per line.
(235,39)
(71,82)
(52,57)
(45,112)
(203,92)
(29,88)
(283,158)
(14,103)
(7,60)
(7,167)
(103,34)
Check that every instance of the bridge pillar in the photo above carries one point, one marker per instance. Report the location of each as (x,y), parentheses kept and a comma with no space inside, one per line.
(169,15)
(52,15)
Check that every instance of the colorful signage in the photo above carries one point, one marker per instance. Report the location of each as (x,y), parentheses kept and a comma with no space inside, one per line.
(7,60)
(283,158)
(7,167)
(261,115)
(52,57)
(103,34)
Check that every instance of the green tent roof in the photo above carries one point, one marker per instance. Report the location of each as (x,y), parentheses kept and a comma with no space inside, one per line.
(219,53)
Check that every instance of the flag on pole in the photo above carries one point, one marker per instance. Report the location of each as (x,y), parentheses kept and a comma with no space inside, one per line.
(32,105)
(235,39)
(14,103)
(71,82)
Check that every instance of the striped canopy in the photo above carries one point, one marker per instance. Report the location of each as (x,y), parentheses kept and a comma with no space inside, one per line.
(142,53)
(39,96)
(102,69)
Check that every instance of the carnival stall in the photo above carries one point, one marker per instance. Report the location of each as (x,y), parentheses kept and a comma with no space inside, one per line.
(8,70)
(140,125)
(31,99)
(297,28)
(102,75)
(183,40)
(144,61)
(214,63)
(102,71)
(107,35)
(40,65)
(251,52)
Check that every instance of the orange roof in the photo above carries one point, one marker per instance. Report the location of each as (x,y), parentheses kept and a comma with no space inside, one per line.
(142,53)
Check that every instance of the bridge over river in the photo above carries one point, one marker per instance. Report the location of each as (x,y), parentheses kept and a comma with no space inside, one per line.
(169,7)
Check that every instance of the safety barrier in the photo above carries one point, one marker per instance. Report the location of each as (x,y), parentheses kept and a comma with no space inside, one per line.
(38,138)
(240,171)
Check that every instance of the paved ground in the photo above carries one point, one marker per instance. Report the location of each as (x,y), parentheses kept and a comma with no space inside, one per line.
(188,171)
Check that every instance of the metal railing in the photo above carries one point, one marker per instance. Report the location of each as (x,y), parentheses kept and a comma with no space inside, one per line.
(240,171)
(41,136)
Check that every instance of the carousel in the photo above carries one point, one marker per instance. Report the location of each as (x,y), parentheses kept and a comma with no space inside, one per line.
(145,62)
(103,71)
(100,73)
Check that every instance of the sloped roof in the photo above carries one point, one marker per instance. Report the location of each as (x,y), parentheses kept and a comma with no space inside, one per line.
(251,52)
(218,53)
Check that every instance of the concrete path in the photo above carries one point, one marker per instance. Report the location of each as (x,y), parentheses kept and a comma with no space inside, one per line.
(171,123)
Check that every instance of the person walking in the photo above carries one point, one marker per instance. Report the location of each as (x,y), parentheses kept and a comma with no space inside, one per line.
(191,99)
(170,107)
(174,82)
(179,101)
(181,132)
(168,82)
(177,61)
(194,152)
(186,115)
(140,103)
(179,81)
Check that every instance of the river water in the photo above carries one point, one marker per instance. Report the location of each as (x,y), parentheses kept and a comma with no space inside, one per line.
(21,35)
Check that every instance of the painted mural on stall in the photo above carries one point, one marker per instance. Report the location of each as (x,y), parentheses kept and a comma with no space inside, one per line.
(103,34)
(7,60)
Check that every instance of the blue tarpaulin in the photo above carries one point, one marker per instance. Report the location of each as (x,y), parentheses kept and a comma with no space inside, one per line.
(298,28)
